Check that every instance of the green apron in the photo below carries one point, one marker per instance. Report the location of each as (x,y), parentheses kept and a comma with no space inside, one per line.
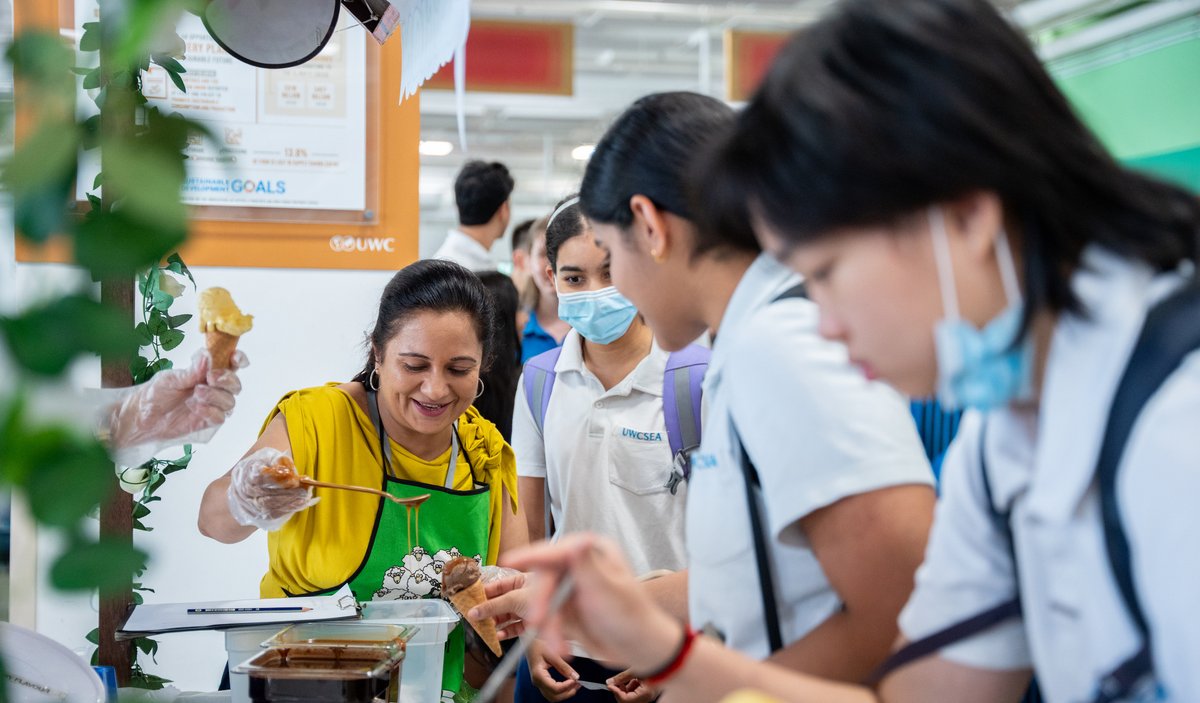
(451,524)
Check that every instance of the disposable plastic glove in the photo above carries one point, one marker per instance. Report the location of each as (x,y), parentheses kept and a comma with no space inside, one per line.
(177,406)
(491,573)
(257,499)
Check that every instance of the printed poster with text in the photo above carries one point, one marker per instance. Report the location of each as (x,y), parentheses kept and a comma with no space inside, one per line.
(284,138)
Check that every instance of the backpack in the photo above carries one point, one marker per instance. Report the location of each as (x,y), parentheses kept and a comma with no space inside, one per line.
(1170,333)
(758,530)
(683,379)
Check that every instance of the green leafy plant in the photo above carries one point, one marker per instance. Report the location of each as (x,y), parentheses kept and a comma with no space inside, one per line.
(159,330)
(134,217)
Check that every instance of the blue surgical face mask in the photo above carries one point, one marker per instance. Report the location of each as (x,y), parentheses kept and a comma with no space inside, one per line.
(979,368)
(601,316)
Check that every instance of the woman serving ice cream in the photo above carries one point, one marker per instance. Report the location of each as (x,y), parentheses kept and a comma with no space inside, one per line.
(404,425)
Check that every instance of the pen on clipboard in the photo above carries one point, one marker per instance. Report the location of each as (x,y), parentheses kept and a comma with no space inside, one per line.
(282,609)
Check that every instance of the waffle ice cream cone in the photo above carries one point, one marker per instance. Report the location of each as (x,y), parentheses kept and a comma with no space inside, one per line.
(221,347)
(464,589)
(222,324)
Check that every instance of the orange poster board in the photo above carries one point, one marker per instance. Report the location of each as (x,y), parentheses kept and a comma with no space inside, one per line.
(382,236)
(748,55)
(516,57)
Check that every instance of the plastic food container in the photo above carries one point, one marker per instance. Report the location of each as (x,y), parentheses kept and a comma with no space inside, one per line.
(241,644)
(318,662)
(421,679)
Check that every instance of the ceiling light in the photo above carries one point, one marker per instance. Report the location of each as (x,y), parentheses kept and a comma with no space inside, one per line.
(435,148)
(583,152)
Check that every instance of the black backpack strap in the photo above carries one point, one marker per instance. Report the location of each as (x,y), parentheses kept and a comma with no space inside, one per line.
(979,622)
(1170,333)
(762,555)
(959,631)
(758,528)
(796,291)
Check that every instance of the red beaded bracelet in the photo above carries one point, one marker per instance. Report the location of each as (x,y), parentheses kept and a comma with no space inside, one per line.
(672,667)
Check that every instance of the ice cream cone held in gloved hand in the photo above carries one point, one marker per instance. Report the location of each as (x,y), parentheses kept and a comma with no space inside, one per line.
(462,586)
(222,324)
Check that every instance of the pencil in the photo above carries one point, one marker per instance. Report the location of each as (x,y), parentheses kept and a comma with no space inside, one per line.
(282,609)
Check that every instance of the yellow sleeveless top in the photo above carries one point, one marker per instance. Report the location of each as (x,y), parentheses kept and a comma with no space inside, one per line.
(333,440)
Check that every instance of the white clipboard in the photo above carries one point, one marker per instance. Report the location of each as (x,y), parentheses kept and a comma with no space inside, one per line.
(174,617)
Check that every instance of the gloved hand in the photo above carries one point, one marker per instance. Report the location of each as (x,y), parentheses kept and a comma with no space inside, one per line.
(177,406)
(492,573)
(258,499)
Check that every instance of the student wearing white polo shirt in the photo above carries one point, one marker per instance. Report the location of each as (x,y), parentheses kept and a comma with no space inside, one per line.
(844,494)
(810,498)
(963,231)
(591,433)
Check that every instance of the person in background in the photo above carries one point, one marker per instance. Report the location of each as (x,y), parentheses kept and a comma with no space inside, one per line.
(495,402)
(481,193)
(937,426)
(522,244)
(404,424)
(544,330)
(963,232)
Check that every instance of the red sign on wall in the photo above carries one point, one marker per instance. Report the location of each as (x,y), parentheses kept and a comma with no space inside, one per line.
(748,56)
(516,57)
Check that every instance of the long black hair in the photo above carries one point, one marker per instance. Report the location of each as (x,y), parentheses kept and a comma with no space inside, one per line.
(883,108)
(500,381)
(431,285)
(650,150)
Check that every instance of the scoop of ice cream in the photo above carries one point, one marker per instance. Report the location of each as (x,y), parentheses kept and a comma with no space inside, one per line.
(218,313)
(459,574)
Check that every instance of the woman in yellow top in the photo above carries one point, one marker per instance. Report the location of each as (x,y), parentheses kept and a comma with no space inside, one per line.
(404,425)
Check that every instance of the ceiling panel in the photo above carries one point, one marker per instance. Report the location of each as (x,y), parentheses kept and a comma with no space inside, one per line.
(623,49)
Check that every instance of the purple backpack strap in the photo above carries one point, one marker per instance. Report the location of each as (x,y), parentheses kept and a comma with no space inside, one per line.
(683,382)
(539,382)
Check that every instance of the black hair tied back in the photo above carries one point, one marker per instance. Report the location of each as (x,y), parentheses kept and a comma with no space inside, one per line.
(431,285)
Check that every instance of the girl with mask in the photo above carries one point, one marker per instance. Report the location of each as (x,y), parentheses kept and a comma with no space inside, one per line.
(593,441)
(964,233)
(842,488)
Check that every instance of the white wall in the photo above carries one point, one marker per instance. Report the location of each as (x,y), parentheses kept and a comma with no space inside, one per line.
(309,328)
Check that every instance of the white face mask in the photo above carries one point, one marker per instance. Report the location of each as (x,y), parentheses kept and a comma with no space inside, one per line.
(979,368)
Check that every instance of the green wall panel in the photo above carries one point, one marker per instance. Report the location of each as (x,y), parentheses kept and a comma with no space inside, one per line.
(1182,166)
(1142,98)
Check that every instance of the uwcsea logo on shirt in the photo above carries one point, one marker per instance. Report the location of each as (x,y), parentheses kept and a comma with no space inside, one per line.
(641,436)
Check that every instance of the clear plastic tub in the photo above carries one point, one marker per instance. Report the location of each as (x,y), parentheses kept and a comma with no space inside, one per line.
(421,678)
(389,637)
(241,644)
(329,661)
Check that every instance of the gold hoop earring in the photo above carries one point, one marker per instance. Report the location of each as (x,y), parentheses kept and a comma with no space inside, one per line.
(481,387)
(373,379)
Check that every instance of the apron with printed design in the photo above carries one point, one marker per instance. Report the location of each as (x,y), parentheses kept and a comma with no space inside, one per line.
(448,525)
